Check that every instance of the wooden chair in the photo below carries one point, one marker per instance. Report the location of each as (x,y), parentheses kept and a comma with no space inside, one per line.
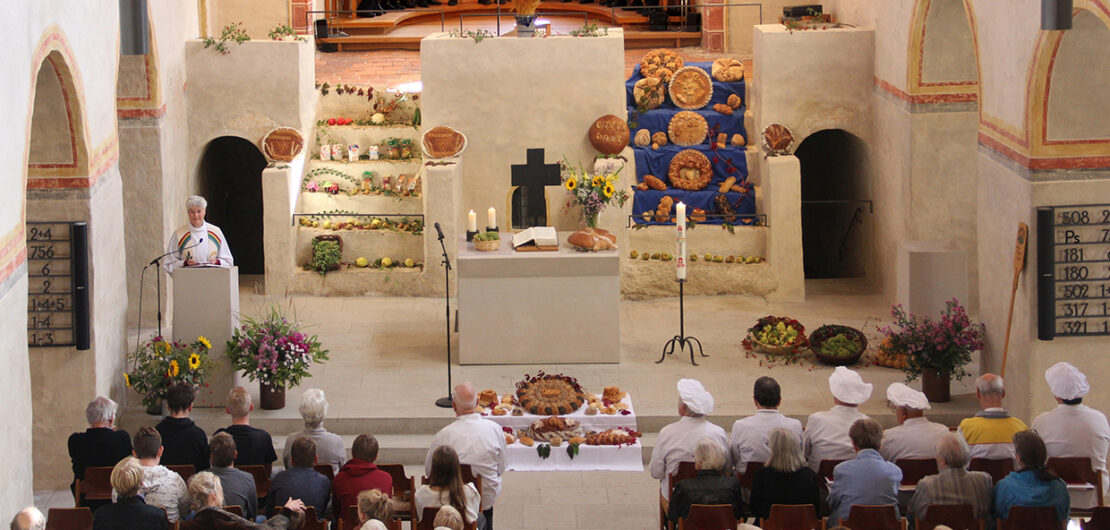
(185,471)
(915,469)
(325,470)
(997,468)
(468,475)
(96,486)
(261,479)
(1100,519)
(70,518)
(310,520)
(1032,518)
(348,520)
(708,517)
(825,469)
(235,509)
(685,470)
(1077,471)
(883,517)
(792,517)
(403,489)
(428,518)
(748,476)
(957,516)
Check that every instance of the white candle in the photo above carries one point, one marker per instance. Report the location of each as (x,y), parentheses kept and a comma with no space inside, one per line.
(680,224)
(492,218)
(472,221)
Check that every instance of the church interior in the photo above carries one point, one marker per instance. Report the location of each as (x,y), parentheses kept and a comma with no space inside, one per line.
(862,154)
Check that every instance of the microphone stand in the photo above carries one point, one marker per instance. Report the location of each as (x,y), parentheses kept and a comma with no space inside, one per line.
(445,402)
(158,277)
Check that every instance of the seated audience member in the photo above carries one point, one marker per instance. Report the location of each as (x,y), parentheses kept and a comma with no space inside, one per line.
(748,442)
(990,431)
(301,481)
(100,445)
(708,486)
(826,434)
(161,487)
(254,447)
(129,512)
(185,443)
(866,479)
(676,441)
(784,479)
(954,484)
(207,498)
(445,487)
(373,506)
(238,485)
(1032,484)
(329,446)
(915,436)
(359,474)
(29,518)
(1073,429)
(448,517)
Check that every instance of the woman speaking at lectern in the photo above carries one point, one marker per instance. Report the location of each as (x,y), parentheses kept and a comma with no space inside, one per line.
(198,243)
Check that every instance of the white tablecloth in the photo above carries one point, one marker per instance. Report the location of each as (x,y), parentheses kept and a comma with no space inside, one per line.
(589,458)
(596,422)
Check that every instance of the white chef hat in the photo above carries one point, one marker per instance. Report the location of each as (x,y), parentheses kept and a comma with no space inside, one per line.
(901,395)
(695,396)
(1066,381)
(848,386)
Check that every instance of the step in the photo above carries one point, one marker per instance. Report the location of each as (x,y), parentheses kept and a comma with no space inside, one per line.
(371,244)
(317,202)
(363,135)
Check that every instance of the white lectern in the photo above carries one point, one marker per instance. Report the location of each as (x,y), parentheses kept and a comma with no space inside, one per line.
(206,302)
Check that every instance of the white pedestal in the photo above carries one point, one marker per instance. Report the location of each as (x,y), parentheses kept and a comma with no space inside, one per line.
(538,307)
(206,302)
(782,200)
(929,274)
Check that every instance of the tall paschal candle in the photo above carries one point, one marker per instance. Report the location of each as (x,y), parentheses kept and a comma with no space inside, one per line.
(680,225)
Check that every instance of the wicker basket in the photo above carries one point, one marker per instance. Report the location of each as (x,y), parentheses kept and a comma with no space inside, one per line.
(486,246)
(775,349)
(823,333)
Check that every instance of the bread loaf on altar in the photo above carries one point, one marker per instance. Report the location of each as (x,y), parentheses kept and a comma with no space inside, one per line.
(593,239)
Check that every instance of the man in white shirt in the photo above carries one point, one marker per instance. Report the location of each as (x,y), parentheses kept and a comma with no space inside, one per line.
(748,442)
(915,436)
(161,486)
(676,441)
(1072,428)
(478,442)
(826,434)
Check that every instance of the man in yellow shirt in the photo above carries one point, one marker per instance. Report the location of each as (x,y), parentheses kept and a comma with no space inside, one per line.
(990,432)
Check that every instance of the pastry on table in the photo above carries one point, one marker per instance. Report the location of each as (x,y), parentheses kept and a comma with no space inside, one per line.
(613,394)
(687,128)
(610,437)
(690,88)
(661,63)
(554,427)
(690,170)
(648,93)
(488,398)
(728,70)
(550,394)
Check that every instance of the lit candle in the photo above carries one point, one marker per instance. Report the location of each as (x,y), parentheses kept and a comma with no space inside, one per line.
(492,218)
(680,224)
(472,221)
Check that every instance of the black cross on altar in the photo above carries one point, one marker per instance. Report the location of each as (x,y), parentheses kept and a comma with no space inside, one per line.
(530,203)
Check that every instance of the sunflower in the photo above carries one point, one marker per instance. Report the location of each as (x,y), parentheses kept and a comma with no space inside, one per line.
(571,183)
(609,190)
(127,380)
(598,181)
(164,346)
(194,361)
(204,340)
(174,369)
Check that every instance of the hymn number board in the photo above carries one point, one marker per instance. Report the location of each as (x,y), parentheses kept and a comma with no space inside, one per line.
(50,297)
(1081,262)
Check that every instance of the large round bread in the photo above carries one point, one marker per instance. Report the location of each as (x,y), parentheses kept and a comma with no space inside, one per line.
(728,70)
(690,170)
(660,63)
(648,93)
(609,134)
(550,394)
(690,88)
(687,128)
(777,139)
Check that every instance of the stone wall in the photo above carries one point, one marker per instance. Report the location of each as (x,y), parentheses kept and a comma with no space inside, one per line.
(258,16)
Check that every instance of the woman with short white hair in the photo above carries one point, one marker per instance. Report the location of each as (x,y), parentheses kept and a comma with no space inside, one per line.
(207,497)
(784,478)
(709,486)
(129,511)
(198,243)
(329,446)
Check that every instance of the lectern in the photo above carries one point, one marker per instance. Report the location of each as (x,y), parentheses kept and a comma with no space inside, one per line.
(206,302)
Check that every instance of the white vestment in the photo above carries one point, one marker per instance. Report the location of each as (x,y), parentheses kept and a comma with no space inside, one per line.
(826,435)
(916,438)
(1076,430)
(478,442)
(204,244)
(676,443)
(749,440)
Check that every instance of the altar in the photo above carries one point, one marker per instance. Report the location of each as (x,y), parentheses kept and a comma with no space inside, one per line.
(538,307)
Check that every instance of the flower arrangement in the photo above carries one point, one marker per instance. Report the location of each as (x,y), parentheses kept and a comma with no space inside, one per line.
(943,345)
(274,351)
(161,363)
(592,191)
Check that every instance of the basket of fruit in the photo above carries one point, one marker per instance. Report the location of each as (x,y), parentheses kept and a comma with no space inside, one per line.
(776,335)
(837,345)
(487,241)
(889,356)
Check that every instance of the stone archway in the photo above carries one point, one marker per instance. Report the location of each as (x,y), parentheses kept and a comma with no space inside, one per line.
(1076,106)
(942,60)
(230,177)
(833,166)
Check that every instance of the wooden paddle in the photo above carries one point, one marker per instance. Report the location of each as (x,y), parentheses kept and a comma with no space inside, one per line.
(1019,264)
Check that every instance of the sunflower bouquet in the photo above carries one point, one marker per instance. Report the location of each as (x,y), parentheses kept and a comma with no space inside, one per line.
(161,363)
(273,350)
(592,191)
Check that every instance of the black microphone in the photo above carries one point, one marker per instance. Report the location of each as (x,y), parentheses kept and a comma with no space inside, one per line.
(439,231)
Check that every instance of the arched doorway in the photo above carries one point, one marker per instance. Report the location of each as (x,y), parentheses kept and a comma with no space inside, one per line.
(833,164)
(231,179)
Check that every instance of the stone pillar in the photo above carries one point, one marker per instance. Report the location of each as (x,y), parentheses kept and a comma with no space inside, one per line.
(713,26)
(782,199)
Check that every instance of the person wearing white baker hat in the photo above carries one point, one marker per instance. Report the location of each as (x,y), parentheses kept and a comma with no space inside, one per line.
(1072,428)
(676,442)
(915,436)
(826,434)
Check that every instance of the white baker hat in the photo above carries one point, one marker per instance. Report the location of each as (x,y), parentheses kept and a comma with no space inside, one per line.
(848,386)
(695,396)
(1066,381)
(901,395)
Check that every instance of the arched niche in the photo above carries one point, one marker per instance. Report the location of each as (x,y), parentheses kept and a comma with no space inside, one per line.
(833,165)
(1079,82)
(230,178)
(942,57)
(57,145)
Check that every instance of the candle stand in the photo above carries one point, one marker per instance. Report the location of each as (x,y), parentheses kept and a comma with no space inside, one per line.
(681,341)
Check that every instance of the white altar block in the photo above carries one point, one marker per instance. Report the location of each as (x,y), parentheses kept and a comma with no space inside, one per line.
(538,307)
(931,273)
(206,303)
(520,457)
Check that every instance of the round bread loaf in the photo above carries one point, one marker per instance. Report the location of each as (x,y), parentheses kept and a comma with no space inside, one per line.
(660,63)
(648,93)
(728,70)
(609,134)
(687,128)
(690,170)
(690,88)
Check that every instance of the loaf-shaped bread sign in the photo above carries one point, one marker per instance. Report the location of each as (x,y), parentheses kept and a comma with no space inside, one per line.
(609,134)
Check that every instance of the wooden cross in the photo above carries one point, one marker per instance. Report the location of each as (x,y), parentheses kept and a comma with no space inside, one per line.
(530,209)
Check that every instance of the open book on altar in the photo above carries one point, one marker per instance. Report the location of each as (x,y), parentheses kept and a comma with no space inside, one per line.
(537,236)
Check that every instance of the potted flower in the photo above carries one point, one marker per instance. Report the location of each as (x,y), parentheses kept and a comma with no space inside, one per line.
(592,191)
(160,363)
(936,350)
(273,351)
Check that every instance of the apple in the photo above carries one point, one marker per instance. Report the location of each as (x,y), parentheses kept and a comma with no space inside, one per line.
(327,225)
(331,121)
(410,263)
(386,262)
(361,262)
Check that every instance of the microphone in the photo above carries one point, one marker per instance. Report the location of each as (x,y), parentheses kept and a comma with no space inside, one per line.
(439,231)
(156,260)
